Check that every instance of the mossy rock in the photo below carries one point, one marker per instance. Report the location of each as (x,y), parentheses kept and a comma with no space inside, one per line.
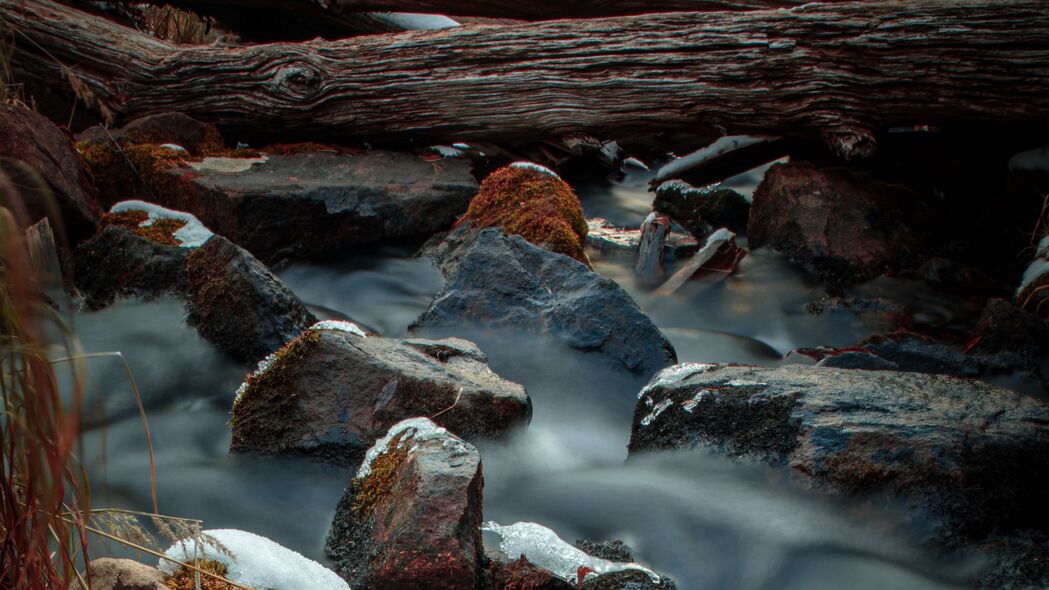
(531,203)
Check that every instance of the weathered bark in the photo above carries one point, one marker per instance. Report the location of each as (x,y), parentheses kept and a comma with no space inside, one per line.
(837,71)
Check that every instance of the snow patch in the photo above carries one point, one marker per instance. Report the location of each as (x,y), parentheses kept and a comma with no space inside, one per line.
(656,411)
(534,166)
(636,163)
(1043,248)
(226,165)
(411,21)
(256,562)
(339,326)
(448,151)
(262,367)
(1034,271)
(720,147)
(675,374)
(191,235)
(415,430)
(174,147)
(546,550)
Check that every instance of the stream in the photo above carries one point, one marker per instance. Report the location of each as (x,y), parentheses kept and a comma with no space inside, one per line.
(709,522)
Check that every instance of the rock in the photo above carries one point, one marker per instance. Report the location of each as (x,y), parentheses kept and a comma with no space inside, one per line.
(332,392)
(318,204)
(411,518)
(857,359)
(841,224)
(522,574)
(952,274)
(237,303)
(623,580)
(501,281)
(34,141)
(1005,328)
(107,573)
(720,254)
(231,298)
(971,454)
(533,202)
(117,262)
(703,210)
(197,138)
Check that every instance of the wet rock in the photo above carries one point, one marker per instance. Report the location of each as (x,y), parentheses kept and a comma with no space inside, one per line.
(624,580)
(32,149)
(317,204)
(720,254)
(119,263)
(411,518)
(237,303)
(107,573)
(973,455)
(649,262)
(196,137)
(703,210)
(1005,328)
(841,224)
(501,281)
(332,392)
(533,202)
(523,574)
(231,298)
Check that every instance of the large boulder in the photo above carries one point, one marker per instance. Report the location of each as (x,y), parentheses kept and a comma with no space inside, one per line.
(107,573)
(973,455)
(504,282)
(841,224)
(311,204)
(702,210)
(334,391)
(146,251)
(411,518)
(41,159)
(533,202)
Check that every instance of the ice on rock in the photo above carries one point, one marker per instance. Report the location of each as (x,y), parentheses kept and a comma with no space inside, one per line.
(1035,270)
(262,367)
(675,374)
(174,147)
(339,326)
(448,151)
(255,561)
(415,430)
(191,235)
(656,411)
(544,549)
(534,166)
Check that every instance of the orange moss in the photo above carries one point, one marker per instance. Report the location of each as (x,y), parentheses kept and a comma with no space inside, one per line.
(161,230)
(185,578)
(379,482)
(537,206)
(274,382)
(131,170)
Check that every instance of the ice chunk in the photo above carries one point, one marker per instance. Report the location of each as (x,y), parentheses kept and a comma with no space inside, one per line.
(256,562)
(675,374)
(191,235)
(546,550)
(534,166)
(339,326)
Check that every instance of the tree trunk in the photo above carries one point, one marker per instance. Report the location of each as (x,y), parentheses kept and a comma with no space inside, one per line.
(836,71)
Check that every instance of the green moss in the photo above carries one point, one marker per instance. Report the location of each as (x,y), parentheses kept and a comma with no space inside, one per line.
(273,387)
(539,207)
(377,485)
(161,231)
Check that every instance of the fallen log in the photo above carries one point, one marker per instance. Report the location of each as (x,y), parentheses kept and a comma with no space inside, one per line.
(840,72)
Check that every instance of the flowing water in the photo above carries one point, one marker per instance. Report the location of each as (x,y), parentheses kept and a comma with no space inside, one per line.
(706,521)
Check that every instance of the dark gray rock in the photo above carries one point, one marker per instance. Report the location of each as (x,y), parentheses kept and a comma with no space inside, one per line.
(624,580)
(840,223)
(237,303)
(703,210)
(331,393)
(856,359)
(316,205)
(972,455)
(503,282)
(411,518)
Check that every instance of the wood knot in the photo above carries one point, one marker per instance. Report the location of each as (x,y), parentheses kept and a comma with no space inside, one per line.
(299,80)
